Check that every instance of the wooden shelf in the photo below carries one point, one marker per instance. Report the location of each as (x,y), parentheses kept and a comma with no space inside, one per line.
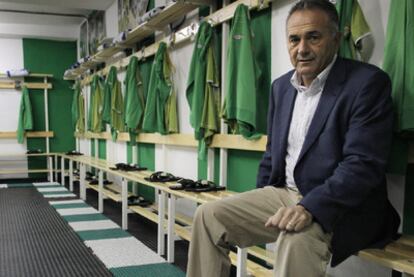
(40,75)
(26,155)
(238,142)
(145,212)
(107,53)
(32,75)
(70,75)
(109,193)
(179,37)
(219,140)
(397,255)
(138,33)
(90,64)
(12,85)
(11,135)
(21,171)
(169,14)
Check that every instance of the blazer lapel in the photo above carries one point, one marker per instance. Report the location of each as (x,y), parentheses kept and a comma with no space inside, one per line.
(328,98)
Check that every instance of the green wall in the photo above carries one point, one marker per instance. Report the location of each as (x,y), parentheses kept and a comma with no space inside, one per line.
(50,57)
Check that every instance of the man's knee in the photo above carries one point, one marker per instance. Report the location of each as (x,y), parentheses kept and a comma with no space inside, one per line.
(302,242)
(207,212)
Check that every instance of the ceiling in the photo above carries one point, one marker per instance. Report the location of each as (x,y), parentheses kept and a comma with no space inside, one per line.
(48,12)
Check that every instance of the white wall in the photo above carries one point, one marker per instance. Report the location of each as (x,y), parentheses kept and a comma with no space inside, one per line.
(111,20)
(11,56)
(57,32)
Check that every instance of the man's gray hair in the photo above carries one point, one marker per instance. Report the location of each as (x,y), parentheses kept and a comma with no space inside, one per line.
(324,5)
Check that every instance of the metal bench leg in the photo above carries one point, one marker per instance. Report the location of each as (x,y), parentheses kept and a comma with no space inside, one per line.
(56,168)
(62,172)
(50,167)
(100,192)
(161,220)
(82,186)
(241,262)
(171,225)
(124,204)
(70,175)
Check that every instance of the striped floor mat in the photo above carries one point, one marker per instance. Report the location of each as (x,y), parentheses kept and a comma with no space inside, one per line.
(121,253)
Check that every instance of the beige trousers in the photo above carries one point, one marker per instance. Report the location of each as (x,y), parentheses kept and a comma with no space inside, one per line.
(239,220)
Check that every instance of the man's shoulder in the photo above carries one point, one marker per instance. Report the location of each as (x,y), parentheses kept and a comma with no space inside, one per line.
(283,80)
(358,69)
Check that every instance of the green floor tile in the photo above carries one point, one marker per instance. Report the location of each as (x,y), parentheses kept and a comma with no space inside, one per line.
(153,270)
(103,234)
(84,217)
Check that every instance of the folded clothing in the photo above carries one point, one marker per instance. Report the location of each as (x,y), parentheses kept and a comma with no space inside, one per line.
(121,37)
(104,46)
(17,72)
(75,65)
(83,60)
(152,13)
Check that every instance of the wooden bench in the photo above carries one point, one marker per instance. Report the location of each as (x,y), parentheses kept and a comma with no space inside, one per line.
(9,171)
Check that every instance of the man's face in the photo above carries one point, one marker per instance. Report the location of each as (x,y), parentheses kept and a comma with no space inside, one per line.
(312,43)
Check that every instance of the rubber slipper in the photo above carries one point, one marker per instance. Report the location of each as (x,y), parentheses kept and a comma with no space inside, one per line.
(183,184)
(161,176)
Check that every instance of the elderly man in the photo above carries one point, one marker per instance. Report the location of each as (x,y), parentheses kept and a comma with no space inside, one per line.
(321,183)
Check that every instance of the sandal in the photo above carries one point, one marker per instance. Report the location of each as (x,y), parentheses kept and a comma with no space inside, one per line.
(34,151)
(205,186)
(134,167)
(73,153)
(161,176)
(183,184)
(138,201)
(127,167)
(90,178)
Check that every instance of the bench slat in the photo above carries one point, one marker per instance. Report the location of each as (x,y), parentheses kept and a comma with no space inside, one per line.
(400,249)
(387,259)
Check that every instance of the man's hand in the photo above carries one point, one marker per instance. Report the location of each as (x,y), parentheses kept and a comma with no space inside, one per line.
(290,218)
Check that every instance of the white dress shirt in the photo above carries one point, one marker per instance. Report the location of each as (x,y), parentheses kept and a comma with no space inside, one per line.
(306,101)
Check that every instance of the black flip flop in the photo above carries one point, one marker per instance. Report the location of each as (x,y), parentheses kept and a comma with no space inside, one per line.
(183,184)
(138,201)
(162,176)
(205,186)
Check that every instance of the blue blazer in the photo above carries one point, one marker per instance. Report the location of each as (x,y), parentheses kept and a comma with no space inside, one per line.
(341,168)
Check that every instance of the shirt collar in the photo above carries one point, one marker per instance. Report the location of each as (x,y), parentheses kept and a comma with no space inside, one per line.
(317,84)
